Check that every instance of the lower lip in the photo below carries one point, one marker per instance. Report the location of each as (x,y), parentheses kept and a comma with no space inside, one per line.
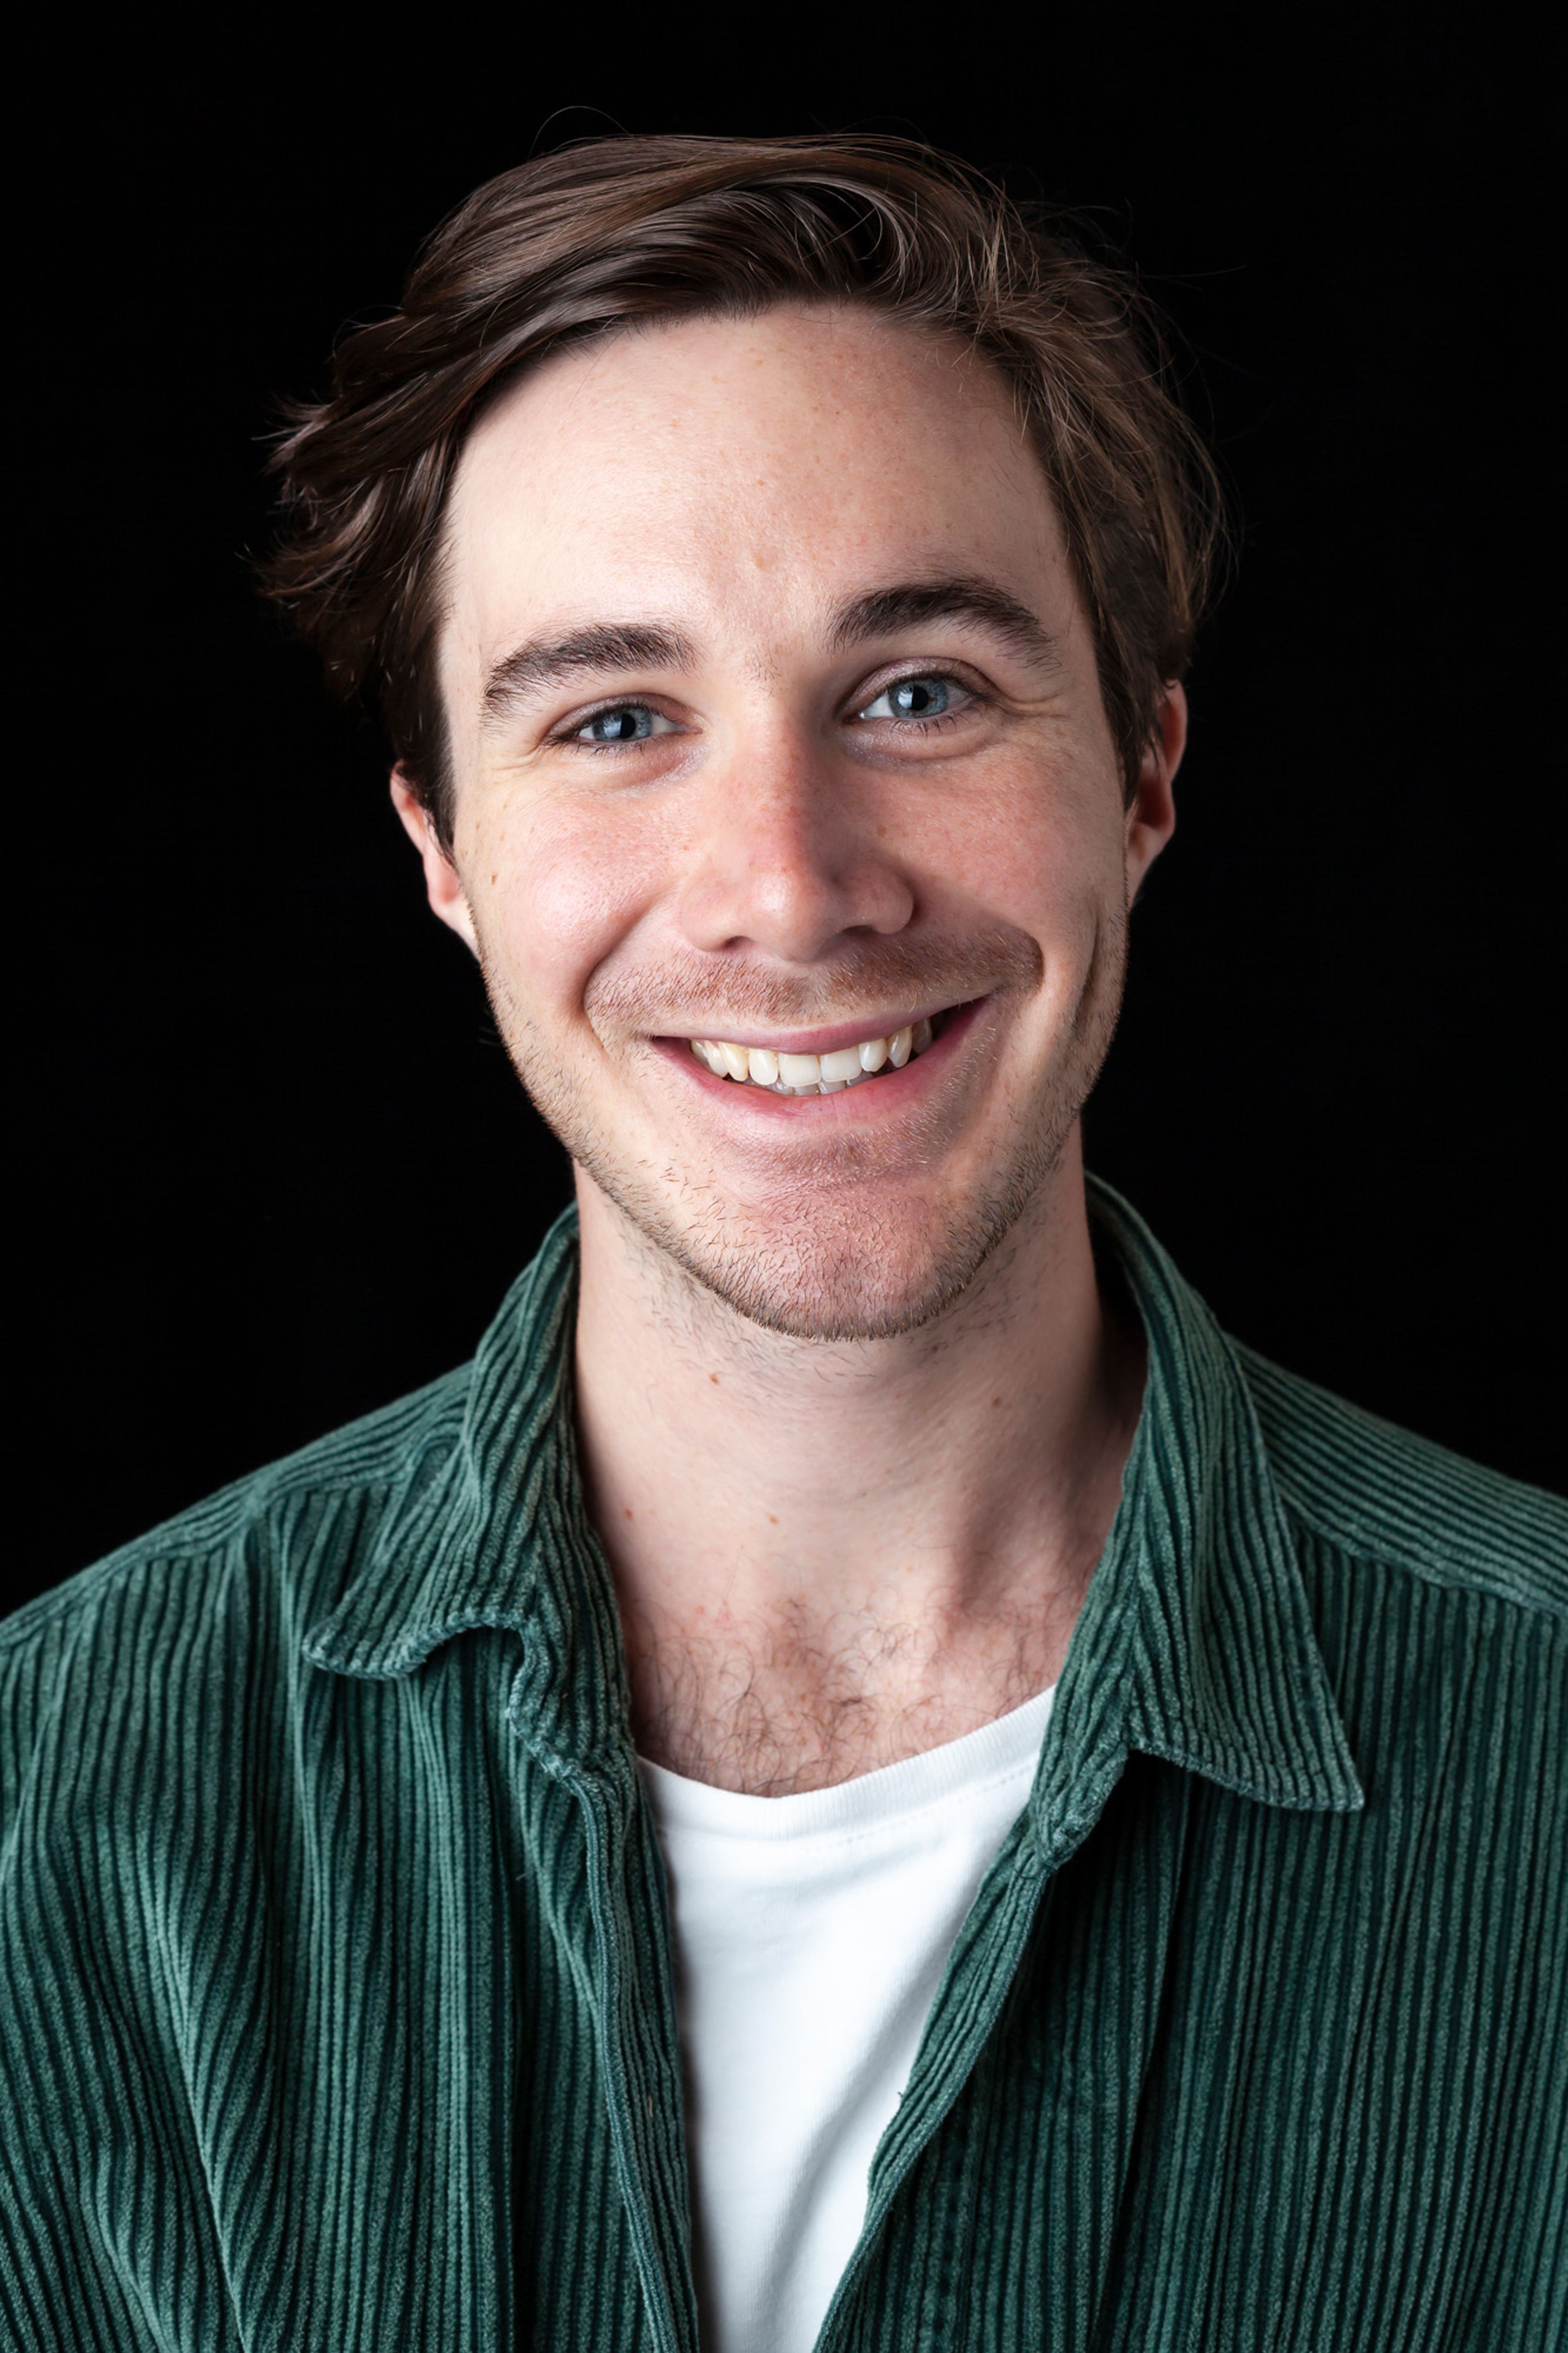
(891,1090)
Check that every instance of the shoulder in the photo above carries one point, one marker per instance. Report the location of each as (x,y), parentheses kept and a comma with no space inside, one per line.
(289,1536)
(1381,1493)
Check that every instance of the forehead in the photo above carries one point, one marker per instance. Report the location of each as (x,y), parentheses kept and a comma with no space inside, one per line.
(752,469)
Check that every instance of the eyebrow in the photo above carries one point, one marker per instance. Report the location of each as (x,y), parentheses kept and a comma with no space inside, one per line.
(910,603)
(543,664)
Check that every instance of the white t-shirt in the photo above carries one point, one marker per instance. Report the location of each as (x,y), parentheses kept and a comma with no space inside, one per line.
(811,1934)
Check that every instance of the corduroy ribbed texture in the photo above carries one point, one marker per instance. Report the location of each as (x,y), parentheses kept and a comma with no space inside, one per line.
(336,2003)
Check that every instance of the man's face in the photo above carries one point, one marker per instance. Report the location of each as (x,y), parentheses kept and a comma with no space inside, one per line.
(775,725)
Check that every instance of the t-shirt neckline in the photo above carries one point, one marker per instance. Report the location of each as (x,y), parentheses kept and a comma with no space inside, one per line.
(999,1751)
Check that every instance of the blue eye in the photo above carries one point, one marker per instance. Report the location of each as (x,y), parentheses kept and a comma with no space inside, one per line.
(624,723)
(913,698)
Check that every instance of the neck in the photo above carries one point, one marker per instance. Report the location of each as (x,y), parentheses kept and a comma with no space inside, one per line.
(829,1556)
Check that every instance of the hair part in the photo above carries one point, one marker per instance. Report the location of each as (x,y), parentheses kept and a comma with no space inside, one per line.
(611,232)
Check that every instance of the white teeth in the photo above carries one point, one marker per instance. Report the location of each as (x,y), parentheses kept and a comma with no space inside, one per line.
(810,1074)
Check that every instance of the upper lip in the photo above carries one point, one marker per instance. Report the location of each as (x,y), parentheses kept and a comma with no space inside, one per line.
(827,1040)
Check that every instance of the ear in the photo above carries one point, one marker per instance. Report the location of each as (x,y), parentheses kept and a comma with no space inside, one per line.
(1151,812)
(442,886)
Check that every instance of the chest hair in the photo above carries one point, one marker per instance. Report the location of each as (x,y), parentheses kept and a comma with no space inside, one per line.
(784,1708)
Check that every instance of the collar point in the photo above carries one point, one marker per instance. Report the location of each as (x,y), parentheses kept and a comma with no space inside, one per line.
(1329,1786)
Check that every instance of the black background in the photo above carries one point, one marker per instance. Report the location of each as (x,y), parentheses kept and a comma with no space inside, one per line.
(276,1166)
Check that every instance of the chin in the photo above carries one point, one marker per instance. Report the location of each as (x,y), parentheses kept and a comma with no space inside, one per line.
(836,1272)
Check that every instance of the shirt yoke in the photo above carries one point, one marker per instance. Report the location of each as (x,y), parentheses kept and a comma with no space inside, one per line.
(1385,1494)
(382,1453)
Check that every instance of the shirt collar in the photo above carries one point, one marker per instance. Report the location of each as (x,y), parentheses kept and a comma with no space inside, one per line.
(1196,1643)
(495,1535)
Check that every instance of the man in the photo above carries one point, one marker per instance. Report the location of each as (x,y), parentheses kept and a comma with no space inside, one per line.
(863,1776)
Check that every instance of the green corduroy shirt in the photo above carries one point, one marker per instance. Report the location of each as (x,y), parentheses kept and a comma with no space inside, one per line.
(337,1996)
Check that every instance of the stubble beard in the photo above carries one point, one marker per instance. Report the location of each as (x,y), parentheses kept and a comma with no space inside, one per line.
(837,1263)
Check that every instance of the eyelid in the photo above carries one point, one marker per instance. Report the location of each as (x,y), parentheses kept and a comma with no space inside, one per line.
(564,729)
(897,673)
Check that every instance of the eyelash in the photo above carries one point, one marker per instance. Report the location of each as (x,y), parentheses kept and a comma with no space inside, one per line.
(573,731)
(570,732)
(972,696)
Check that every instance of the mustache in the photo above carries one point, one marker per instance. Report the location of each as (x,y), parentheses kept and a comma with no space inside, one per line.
(701,993)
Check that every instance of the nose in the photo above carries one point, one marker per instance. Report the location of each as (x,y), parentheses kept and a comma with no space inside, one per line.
(785,859)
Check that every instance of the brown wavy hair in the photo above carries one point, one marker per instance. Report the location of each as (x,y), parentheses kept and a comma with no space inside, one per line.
(581,242)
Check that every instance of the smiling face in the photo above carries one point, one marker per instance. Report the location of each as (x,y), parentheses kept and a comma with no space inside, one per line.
(777,733)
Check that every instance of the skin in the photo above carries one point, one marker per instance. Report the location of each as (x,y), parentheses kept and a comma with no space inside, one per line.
(853,1413)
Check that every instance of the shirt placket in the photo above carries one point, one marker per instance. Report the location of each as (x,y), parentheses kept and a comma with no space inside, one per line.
(629,1968)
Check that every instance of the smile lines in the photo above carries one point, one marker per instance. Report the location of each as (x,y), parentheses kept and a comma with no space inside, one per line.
(813,1074)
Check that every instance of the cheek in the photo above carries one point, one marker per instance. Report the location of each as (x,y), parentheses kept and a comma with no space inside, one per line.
(556,888)
(1040,847)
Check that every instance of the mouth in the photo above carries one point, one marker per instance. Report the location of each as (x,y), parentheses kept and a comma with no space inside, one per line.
(780,1070)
